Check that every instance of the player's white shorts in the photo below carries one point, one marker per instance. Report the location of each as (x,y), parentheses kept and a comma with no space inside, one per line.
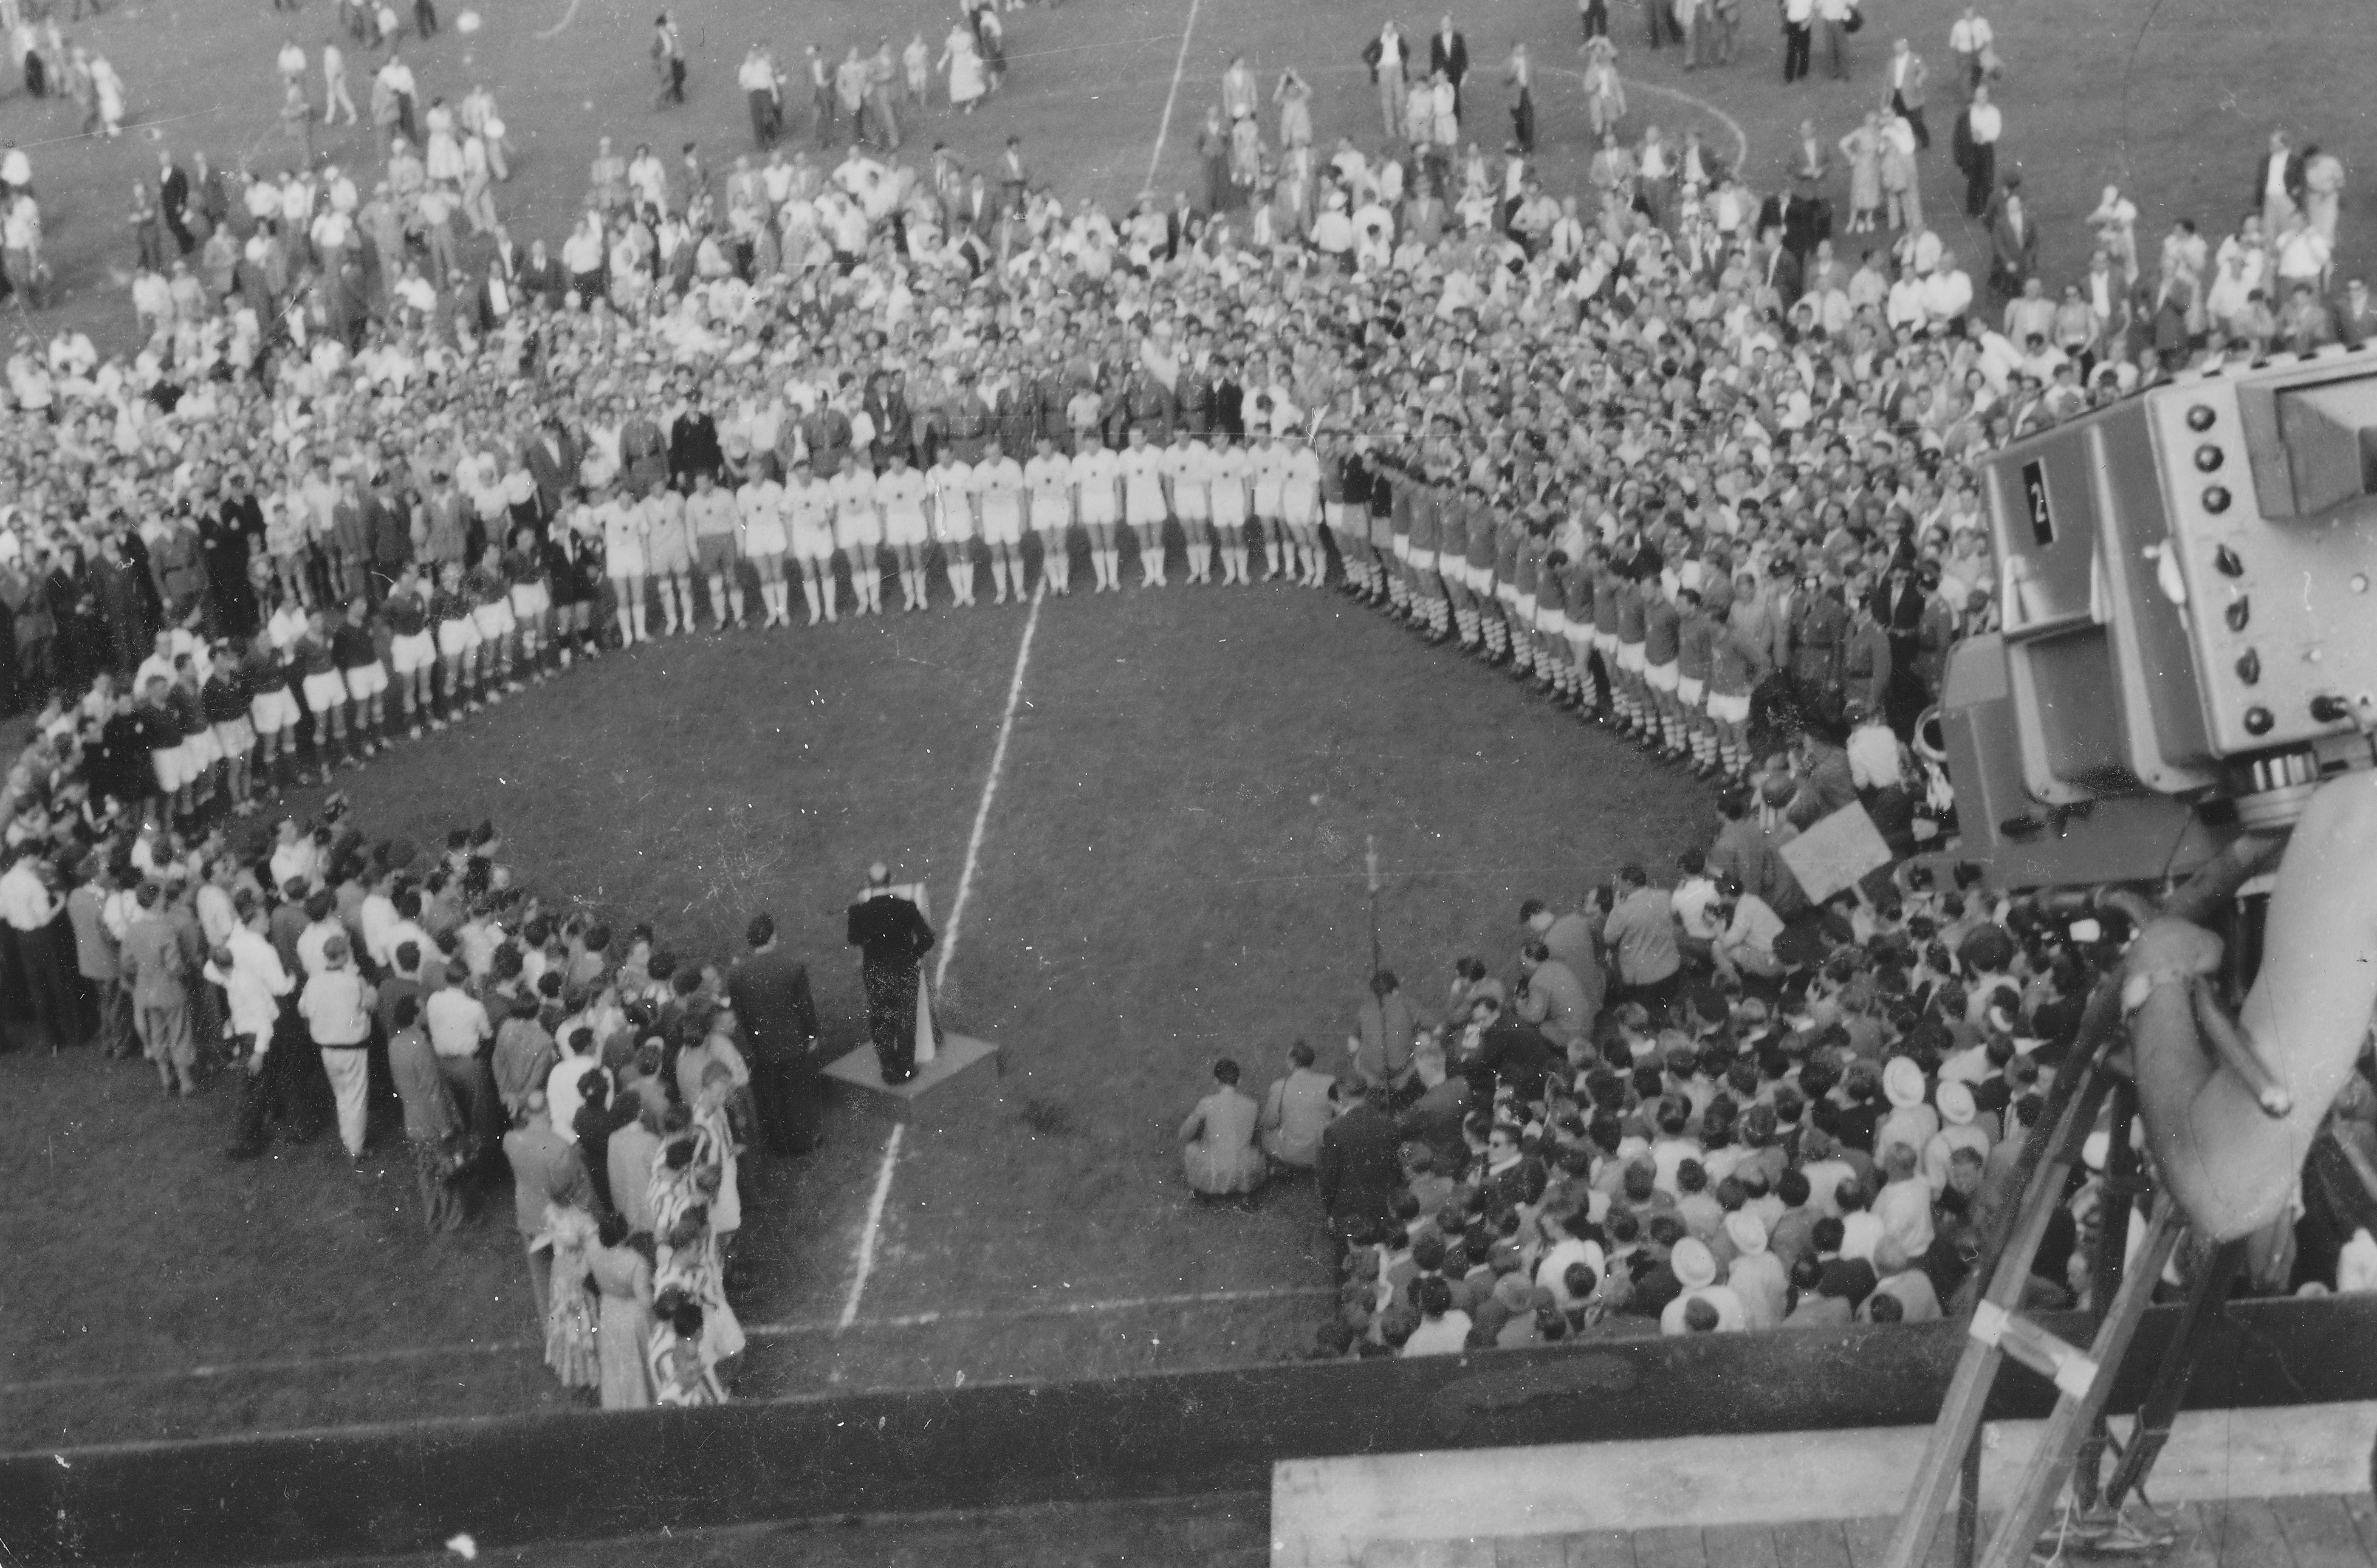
(530,600)
(862,532)
(812,543)
(493,621)
(1002,527)
(1268,503)
(1507,592)
(1340,517)
(324,691)
(1147,514)
(1606,643)
(1422,560)
(1299,511)
(1690,689)
(1101,516)
(958,527)
(1661,677)
(236,736)
(765,538)
(1551,622)
(1630,658)
(173,766)
(625,564)
(1733,709)
(1403,547)
(272,712)
(203,749)
(455,639)
(365,682)
(1522,604)
(905,531)
(410,654)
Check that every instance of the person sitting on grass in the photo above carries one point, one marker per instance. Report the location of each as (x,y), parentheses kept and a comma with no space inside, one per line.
(1218,1151)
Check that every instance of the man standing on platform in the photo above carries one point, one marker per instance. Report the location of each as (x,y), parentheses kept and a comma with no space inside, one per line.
(893,936)
(770,992)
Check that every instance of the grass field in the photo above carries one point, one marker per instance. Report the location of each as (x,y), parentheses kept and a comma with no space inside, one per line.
(1173,864)
(2171,99)
(1173,870)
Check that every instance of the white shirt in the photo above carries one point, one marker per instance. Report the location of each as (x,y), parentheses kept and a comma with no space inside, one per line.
(255,980)
(25,903)
(1986,123)
(456,1021)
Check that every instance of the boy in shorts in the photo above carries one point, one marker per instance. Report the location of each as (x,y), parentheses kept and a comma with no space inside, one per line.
(808,533)
(998,498)
(858,530)
(324,688)
(412,649)
(759,512)
(1048,492)
(357,656)
(458,641)
(712,519)
(271,708)
(225,699)
(491,612)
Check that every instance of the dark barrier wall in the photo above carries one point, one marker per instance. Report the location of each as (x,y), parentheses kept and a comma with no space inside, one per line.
(400,1488)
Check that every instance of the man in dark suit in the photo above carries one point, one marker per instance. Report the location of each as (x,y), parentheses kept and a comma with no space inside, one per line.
(2277,184)
(892,938)
(770,992)
(1449,51)
(1434,1118)
(173,201)
(1360,1165)
(1807,219)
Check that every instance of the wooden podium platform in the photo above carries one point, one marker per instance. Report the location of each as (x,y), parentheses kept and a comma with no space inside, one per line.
(859,1078)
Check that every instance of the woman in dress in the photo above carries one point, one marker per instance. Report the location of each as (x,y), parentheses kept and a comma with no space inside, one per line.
(681,1373)
(621,1276)
(443,149)
(959,59)
(570,1338)
(1862,149)
(1218,1151)
(1605,95)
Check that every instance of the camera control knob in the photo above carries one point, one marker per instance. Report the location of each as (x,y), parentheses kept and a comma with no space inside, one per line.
(2329,708)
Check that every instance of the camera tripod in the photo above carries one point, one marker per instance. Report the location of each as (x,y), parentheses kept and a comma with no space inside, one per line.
(2073,1445)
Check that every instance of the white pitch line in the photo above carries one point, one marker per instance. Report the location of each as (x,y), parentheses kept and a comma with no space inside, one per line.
(1741,137)
(1164,126)
(567,17)
(989,789)
(870,1235)
(796,1328)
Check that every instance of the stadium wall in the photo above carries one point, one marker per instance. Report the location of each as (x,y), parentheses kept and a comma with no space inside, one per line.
(402,1488)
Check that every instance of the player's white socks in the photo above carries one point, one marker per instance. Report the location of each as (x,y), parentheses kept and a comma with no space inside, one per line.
(809,593)
(998,580)
(959,585)
(643,634)
(1270,559)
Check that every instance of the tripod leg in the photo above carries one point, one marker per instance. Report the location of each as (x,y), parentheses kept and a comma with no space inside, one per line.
(2206,1295)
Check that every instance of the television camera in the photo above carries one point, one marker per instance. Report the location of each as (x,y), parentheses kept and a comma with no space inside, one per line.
(2189,642)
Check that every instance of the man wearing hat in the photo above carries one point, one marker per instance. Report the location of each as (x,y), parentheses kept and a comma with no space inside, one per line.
(1695,1268)
(1960,1128)
(336,1006)
(1756,1276)
(892,937)
(1910,1120)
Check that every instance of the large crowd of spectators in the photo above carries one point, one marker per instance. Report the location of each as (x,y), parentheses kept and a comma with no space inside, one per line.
(1661,448)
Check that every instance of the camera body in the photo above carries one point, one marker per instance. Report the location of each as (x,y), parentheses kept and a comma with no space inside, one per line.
(2189,643)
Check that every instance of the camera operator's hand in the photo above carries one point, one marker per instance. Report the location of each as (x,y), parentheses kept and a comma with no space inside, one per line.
(2166,949)
(2232,1166)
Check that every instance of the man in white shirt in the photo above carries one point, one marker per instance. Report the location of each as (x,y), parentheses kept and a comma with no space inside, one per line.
(949,487)
(1048,496)
(998,489)
(899,496)
(858,530)
(1142,468)
(1097,497)
(336,1006)
(1187,463)
(1970,38)
(1977,152)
